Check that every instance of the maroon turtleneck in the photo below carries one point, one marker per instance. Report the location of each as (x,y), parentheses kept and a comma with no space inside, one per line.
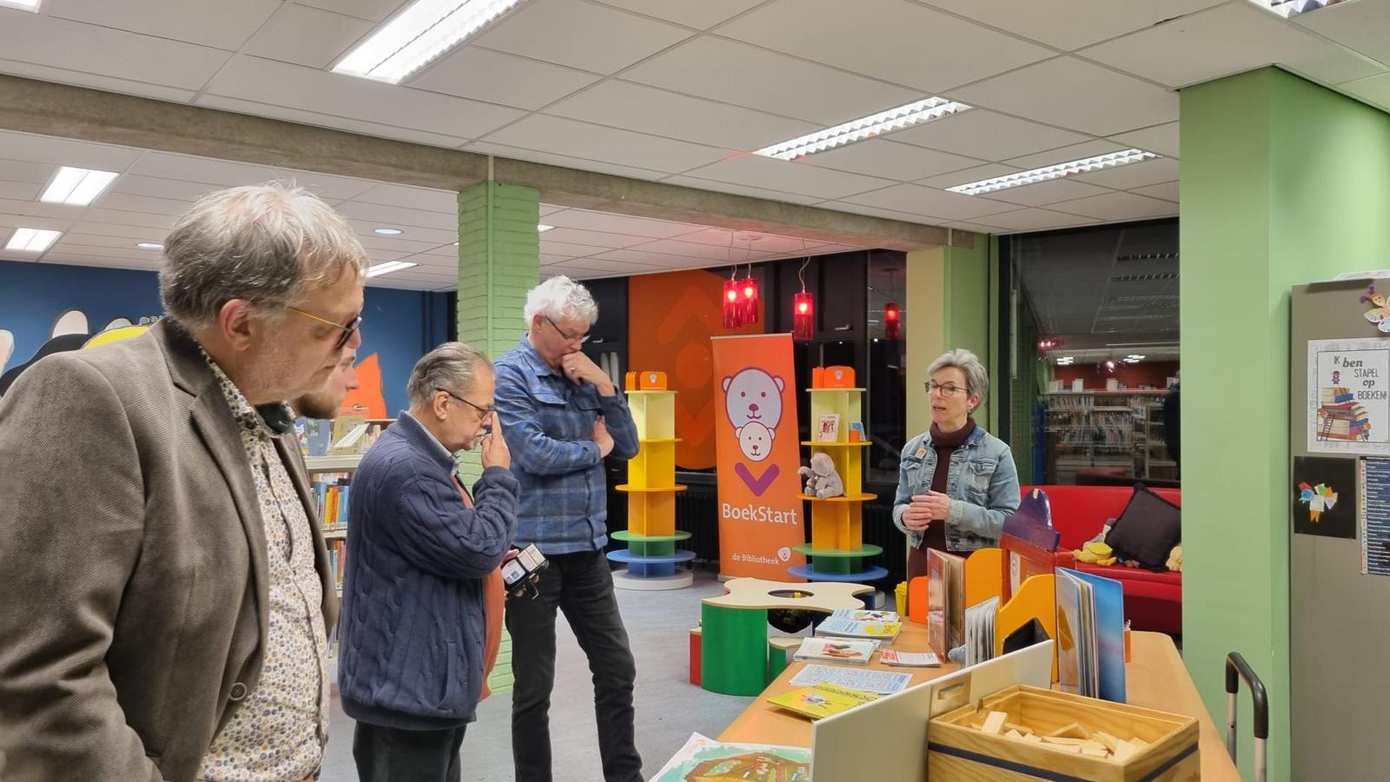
(944,443)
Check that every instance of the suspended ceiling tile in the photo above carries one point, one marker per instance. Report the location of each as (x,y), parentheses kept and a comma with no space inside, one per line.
(1375,90)
(596,239)
(20,191)
(619,224)
(702,15)
(1066,154)
(1150,172)
(662,113)
(1231,39)
(581,35)
(382,216)
(414,240)
(1070,93)
(156,187)
(1361,26)
(1045,193)
(987,135)
(1168,191)
(1162,139)
(131,232)
(308,89)
(55,152)
(894,40)
(498,77)
(159,224)
(785,176)
(552,247)
(36,210)
(881,157)
(1119,206)
(755,78)
(1071,24)
(371,10)
(596,142)
(975,174)
(406,197)
(307,36)
(316,119)
(215,23)
(930,202)
(754,192)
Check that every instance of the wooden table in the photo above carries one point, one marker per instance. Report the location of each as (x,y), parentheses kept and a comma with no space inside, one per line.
(1156,678)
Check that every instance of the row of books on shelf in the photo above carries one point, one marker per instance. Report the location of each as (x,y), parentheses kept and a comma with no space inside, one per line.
(337,560)
(344,435)
(331,495)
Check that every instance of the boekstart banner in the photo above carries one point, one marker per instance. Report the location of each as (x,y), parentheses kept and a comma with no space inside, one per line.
(760,508)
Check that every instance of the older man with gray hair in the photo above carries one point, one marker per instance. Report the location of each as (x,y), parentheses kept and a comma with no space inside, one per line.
(563,416)
(420,555)
(170,596)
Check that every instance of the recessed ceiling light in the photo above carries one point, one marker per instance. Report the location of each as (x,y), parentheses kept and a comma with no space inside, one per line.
(542,228)
(388,267)
(26,5)
(863,128)
(76,186)
(32,240)
(1084,166)
(1291,8)
(387,231)
(417,35)
(1065,361)
(150,246)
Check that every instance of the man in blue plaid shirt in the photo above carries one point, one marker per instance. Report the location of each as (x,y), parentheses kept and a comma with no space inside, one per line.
(561,416)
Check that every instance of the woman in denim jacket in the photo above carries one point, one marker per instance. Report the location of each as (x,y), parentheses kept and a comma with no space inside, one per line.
(956,482)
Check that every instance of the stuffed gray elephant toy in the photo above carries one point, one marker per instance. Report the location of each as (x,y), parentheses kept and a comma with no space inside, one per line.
(821,479)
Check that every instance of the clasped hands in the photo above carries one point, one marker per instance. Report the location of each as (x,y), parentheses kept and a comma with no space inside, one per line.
(926,508)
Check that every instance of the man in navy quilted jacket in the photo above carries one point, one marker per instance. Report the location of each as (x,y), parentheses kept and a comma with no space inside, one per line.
(419,549)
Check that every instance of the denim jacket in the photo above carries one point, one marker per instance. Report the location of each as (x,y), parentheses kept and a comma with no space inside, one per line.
(981,481)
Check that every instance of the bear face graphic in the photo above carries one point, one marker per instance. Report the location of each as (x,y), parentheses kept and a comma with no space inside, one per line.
(755,440)
(753,395)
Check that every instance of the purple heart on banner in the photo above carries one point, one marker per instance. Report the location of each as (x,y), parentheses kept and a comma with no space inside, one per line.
(759,484)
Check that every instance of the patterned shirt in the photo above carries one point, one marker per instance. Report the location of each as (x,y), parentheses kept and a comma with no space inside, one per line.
(549,425)
(282,726)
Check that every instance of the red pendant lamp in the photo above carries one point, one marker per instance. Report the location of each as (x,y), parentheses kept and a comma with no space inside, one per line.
(892,322)
(748,298)
(803,310)
(730,306)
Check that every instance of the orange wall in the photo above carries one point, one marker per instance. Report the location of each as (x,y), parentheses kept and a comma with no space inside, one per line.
(670,320)
(1154,374)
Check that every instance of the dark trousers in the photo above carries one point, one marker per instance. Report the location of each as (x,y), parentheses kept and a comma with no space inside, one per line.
(396,755)
(581,586)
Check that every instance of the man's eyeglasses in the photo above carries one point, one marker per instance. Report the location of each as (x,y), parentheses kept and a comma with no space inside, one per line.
(485,412)
(568,336)
(352,327)
(945,389)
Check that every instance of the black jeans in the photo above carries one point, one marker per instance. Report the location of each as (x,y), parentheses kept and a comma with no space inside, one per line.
(396,755)
(581,586)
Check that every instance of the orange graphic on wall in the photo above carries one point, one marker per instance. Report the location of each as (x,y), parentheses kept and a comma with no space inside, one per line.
(367,400)
(671,318)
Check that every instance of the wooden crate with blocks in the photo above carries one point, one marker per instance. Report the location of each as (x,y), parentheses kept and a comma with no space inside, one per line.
(1026,733)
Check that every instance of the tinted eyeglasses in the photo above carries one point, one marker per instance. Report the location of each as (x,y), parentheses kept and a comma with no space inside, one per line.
(352,327)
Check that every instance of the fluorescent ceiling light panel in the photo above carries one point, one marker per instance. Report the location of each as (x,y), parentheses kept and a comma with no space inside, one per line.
(150,246)
(388,267)
(77,186)
(864,128)
(23,5)
(418,35)
(1291,8)
(387,231)
(542,228)
(32,240)
(1057,171)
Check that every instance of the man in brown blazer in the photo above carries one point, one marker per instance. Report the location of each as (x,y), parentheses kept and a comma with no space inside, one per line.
(166,590)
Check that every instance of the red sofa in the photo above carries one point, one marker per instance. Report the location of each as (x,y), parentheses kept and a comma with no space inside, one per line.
(1153,601)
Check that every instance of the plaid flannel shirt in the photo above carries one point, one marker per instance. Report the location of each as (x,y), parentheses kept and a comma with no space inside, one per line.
(549,424)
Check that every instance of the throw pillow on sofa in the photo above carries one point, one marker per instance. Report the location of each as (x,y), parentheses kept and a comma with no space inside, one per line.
(1147,530)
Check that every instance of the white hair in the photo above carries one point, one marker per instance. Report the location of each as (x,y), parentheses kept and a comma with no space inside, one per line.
(262,243)
(560,298)
(976,376)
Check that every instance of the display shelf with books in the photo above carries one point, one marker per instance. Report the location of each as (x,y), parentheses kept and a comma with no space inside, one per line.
(1102,429)
(837,550)
(651,556)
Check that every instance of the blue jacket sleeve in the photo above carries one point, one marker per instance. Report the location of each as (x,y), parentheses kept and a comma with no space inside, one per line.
(532,449)
(618,418)
(437,533)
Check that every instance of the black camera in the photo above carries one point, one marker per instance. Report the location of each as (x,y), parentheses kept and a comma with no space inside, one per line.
(521,573)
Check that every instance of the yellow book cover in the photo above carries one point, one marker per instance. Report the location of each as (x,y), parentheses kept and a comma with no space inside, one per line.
(822,700)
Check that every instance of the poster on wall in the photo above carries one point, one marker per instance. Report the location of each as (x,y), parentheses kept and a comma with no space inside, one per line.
(1324,496)
(1373,516)
(1348,398)
(755,428)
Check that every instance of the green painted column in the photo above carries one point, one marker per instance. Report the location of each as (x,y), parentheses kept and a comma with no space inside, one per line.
(499,261)
(948,306)
(1283,182)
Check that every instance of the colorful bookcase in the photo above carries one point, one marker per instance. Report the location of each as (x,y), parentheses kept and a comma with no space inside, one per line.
(837,550)
(651,556)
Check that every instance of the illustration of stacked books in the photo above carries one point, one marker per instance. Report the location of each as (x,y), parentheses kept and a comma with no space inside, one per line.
(1340,417)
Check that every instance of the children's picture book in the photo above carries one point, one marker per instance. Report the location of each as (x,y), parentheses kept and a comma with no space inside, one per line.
(844,650)
(849,628)
(822,700)
(865,615)
(867,679)
(979,631)
(703,759)
(1090,635)
(909,659)
(829,430)
(945,601)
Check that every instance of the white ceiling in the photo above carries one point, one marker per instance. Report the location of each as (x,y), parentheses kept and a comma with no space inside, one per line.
(155,187)
(682,90)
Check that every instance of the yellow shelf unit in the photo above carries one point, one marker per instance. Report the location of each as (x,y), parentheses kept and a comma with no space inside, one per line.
(651,557)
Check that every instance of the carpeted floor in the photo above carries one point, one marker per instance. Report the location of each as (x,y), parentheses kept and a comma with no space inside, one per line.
(669,708)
